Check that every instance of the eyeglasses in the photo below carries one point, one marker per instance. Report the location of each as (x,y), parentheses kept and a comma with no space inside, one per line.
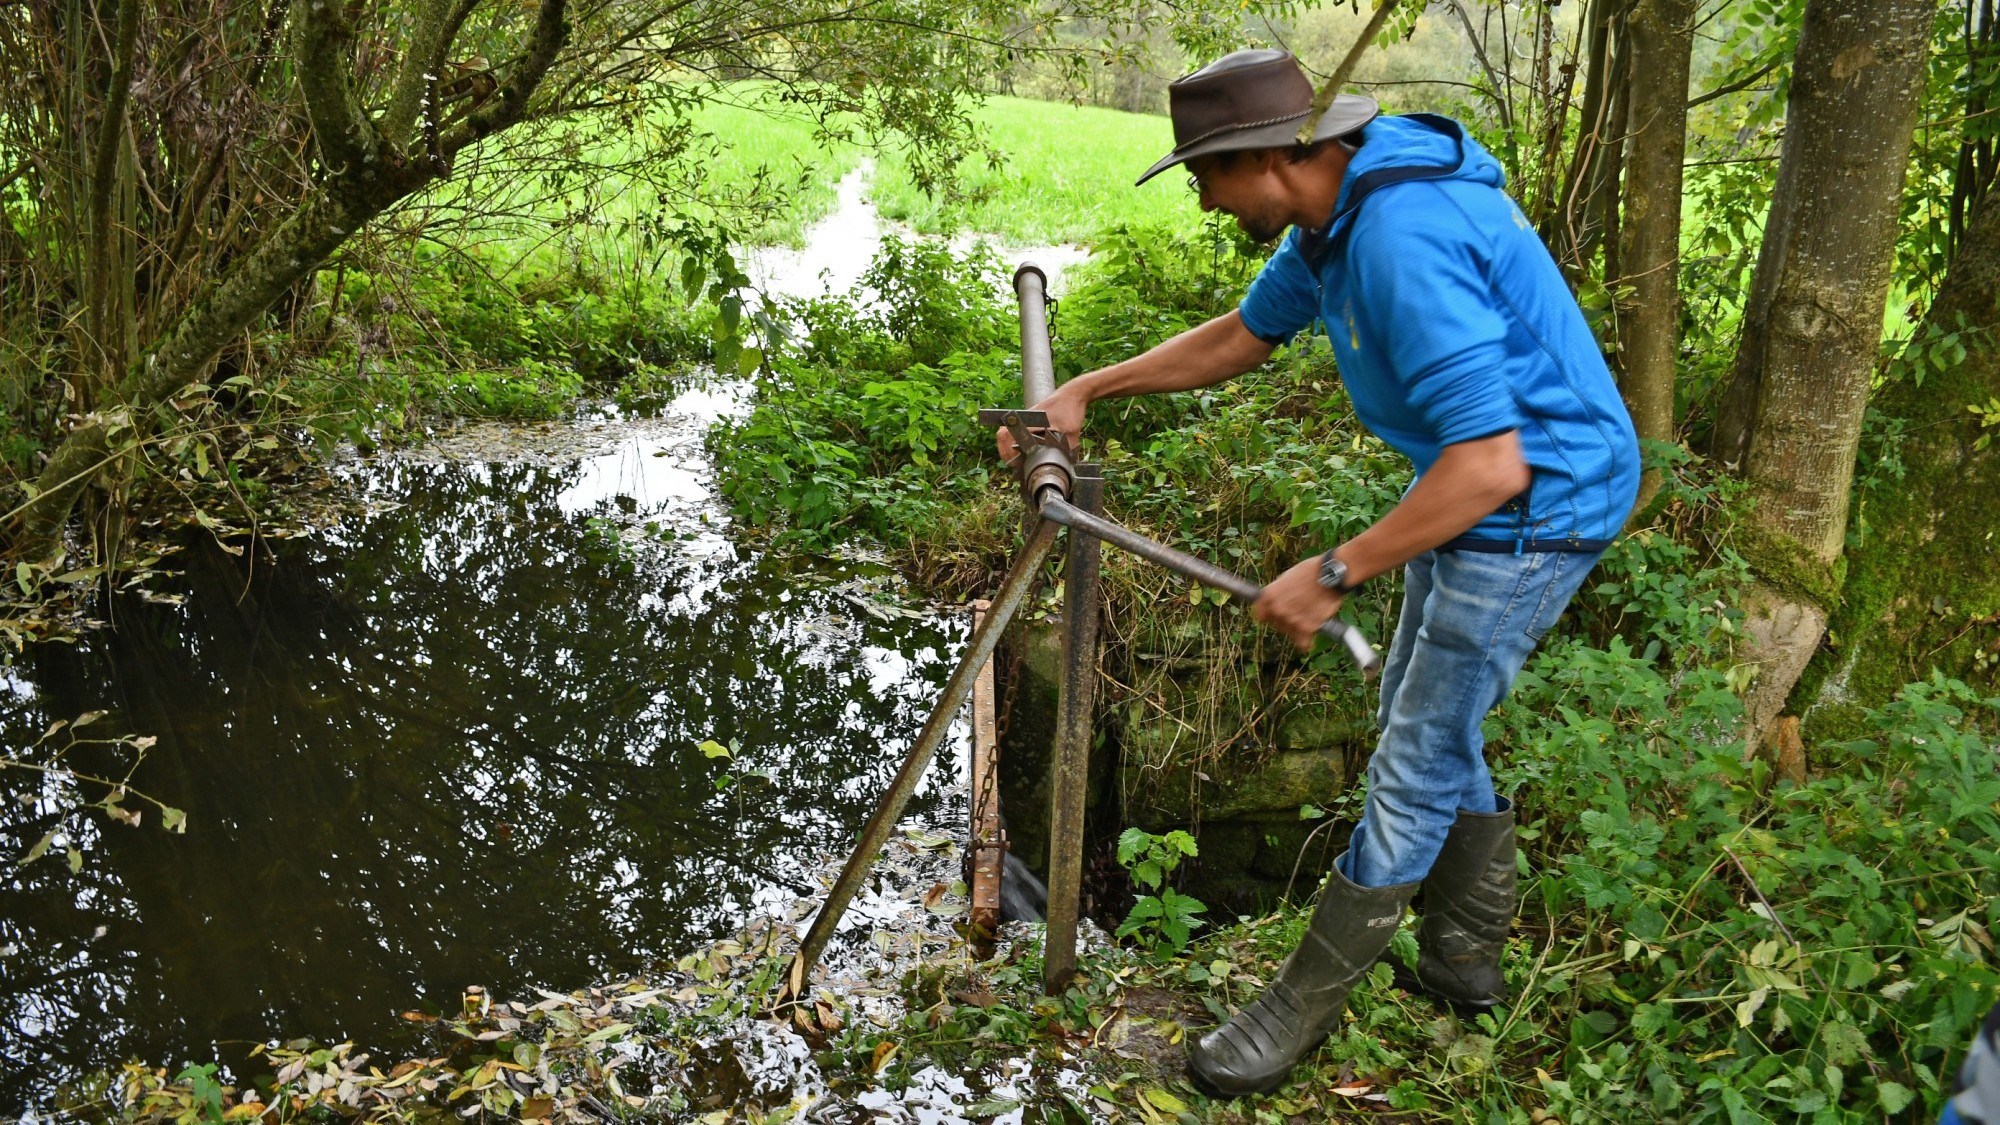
(1197,181)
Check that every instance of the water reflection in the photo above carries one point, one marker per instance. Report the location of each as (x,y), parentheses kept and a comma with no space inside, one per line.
(452,741)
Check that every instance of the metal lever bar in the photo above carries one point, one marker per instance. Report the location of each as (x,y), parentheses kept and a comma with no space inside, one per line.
(1058,510)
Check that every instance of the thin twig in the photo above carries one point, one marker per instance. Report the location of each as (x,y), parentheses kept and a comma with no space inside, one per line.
(1324,99)
(1771,912)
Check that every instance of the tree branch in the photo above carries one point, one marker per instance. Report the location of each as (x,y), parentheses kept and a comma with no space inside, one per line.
(348,142)
(510,103)
(437,25)
(103,170)
(1472,36)
(1740,84)
(1323,100)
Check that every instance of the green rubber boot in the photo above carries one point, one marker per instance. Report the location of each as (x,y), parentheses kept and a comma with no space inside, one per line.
(1468,906)
(1257,1049)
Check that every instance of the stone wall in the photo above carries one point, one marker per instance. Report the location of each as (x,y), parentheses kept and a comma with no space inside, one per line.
(1173,751)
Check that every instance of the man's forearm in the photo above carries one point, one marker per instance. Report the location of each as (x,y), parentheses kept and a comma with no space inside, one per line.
(1202,356)
(1469,481)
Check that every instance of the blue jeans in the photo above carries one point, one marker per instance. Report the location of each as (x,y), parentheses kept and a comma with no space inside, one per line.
(1469,621)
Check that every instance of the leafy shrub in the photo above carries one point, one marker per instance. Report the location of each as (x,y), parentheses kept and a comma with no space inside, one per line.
(1164,919)
(1727,948)
(872,423)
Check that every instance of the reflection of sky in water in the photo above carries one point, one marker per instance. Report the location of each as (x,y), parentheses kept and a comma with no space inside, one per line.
(451,741)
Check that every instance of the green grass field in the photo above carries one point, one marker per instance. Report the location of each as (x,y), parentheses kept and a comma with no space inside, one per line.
(755,135)
(1065,173)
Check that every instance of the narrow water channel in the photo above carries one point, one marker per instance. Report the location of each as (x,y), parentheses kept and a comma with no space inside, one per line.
(454,738)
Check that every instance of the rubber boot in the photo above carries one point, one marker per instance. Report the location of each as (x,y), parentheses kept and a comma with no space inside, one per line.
(1467,908)
(1257,1049)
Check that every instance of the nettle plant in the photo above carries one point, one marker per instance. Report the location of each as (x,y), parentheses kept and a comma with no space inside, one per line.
(1163,919)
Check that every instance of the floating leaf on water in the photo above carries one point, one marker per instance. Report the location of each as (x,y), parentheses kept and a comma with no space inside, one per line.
(40,849)
(925,839)
(611,1032)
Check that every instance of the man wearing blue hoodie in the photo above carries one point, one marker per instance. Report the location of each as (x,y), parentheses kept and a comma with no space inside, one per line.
(1461,346)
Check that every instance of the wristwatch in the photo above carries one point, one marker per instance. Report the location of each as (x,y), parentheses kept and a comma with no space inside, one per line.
(1333,574)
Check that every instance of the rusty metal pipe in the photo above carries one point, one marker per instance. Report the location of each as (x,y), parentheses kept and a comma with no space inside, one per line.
(1038,373)
(1046,466)
(1075,730)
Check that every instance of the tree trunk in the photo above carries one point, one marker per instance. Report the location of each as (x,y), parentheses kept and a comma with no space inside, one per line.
(1661,36)
(1823,281)
(1571,228)
(1922,590)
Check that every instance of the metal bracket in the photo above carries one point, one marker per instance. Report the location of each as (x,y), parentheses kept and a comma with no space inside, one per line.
(1023,423)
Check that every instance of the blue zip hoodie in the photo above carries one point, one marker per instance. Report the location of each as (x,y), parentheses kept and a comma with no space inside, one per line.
(1450,323)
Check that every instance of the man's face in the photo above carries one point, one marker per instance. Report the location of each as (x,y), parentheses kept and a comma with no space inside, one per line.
(1237,183)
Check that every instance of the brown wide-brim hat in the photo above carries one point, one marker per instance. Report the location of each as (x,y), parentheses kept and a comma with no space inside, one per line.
(1251,99)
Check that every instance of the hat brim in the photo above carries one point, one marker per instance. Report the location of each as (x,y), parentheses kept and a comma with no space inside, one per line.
(1347,113)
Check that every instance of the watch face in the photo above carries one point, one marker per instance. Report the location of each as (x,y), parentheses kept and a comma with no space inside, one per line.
(1332,573)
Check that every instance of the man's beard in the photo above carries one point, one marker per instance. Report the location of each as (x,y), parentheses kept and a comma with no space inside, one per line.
(1262,227)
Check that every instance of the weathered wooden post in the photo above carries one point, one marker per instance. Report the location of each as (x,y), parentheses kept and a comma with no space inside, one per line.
(987,845)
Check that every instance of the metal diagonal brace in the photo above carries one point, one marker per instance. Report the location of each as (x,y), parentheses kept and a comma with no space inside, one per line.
(985,638)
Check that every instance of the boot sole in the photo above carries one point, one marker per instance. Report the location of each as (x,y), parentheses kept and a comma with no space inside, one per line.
(1407,980)
(1203,1083)
(1213,1089)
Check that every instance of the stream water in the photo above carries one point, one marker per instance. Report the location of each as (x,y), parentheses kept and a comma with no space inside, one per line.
(455,738)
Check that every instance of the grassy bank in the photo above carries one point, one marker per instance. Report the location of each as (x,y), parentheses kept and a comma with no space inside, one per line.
(1062,173)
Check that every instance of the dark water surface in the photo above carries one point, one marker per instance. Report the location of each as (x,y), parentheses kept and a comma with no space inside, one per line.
(451,740)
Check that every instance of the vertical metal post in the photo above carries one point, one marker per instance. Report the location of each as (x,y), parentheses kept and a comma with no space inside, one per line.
(1074,732)
(1038,377)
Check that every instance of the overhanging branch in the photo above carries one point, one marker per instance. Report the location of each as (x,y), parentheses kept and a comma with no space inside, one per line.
(348,141)
(510,102)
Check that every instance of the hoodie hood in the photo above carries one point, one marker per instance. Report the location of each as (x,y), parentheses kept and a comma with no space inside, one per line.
(1416,146)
